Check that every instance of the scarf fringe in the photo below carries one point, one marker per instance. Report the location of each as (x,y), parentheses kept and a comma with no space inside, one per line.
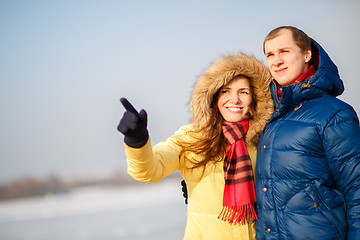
(238,214)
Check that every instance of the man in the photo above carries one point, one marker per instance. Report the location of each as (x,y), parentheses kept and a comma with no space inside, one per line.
(308,161)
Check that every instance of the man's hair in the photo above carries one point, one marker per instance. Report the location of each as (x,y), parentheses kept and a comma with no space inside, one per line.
(302,40)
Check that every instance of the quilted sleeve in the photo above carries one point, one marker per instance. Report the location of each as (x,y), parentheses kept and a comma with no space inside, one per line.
(151,164)
(342,149)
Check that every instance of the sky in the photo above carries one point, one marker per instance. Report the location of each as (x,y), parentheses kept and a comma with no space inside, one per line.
(64,65)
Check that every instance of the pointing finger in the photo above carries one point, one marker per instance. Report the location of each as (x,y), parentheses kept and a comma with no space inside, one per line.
(127,105)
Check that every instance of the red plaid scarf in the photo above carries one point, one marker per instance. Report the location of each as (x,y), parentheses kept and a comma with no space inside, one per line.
(239,192)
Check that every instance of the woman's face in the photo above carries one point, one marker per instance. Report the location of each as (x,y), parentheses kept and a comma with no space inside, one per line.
(235,99)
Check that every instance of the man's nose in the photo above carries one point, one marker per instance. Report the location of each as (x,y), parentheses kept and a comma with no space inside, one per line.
(277,59)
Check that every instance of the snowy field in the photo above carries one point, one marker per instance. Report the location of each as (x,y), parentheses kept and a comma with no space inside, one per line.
(150,211)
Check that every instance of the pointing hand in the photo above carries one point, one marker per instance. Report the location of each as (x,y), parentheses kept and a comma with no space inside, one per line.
(133,125)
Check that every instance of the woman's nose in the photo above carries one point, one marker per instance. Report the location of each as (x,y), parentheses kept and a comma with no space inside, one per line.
(235,98)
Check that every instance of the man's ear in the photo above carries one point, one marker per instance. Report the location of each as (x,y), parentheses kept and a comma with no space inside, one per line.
(308,55)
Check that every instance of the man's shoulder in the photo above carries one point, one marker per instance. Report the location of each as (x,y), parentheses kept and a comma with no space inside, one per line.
(331,103)
(328,107)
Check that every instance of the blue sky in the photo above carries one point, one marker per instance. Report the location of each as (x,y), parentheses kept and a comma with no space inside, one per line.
(65,64)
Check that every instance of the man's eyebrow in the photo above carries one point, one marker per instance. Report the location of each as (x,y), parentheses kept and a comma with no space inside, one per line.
(280,49)
(285,48)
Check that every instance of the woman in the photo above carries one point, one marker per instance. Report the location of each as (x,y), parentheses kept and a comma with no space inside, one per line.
(230,106)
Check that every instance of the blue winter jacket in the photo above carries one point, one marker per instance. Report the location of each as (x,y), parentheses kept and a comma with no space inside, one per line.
(308,162)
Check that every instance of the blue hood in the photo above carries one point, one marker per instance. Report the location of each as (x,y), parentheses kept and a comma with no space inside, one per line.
(327,76)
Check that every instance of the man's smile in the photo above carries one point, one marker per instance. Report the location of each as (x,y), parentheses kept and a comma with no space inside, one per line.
(281,70)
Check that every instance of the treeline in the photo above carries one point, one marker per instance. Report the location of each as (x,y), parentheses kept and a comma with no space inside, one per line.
(31,186)
(52,184)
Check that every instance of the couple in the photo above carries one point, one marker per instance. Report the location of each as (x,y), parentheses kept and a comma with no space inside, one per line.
(287,132)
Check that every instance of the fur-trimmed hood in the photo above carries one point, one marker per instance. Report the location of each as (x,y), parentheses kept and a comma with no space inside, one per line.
(219,74)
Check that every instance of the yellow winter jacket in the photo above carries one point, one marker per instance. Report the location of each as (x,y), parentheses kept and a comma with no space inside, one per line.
(205,190)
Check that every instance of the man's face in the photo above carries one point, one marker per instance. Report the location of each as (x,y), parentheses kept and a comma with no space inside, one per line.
(285,60)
